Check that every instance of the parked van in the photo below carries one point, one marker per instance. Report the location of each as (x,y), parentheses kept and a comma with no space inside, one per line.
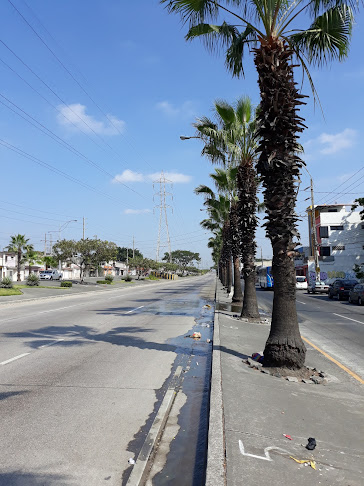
(301,282)
(50,275)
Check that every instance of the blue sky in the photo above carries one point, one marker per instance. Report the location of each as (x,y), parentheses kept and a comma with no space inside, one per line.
(124,86)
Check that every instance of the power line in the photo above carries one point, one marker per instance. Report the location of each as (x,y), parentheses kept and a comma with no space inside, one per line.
(343,183)
(39,210)
(56,171)
(70,73)
(63,142)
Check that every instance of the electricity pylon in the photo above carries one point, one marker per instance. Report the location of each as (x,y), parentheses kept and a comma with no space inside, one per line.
(163,220)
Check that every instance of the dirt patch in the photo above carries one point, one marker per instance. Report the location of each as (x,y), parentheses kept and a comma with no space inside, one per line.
(303,375)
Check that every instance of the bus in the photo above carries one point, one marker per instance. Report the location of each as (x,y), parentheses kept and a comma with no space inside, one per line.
(265,278)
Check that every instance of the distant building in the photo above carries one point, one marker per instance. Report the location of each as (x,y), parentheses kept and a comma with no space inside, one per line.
(340,239)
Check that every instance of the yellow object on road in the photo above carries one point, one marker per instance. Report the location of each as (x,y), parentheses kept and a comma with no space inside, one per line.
(304,461)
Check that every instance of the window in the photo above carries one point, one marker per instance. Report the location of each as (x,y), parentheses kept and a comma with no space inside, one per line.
(325,251)
(339,247)
(337,228)
(362,226)
(332,210)
(324,231)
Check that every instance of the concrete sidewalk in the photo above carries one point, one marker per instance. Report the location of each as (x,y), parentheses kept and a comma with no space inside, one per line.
(250,411)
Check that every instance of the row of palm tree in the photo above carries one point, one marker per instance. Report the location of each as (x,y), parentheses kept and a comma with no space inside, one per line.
(271,30)
(25,252)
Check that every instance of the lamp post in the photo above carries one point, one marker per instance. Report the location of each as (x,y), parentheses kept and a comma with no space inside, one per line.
(61,227)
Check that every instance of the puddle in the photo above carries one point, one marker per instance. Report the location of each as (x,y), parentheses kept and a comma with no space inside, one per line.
(229,307)
(186,461)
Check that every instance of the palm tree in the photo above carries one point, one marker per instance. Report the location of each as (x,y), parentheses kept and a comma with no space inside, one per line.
(273,30)
(32,257)
(19,245)
(232,142)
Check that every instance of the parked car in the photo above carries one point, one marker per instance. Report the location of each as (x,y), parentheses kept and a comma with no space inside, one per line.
(357,294)
(341,288)
(318,287)
(301,282)
(50,275)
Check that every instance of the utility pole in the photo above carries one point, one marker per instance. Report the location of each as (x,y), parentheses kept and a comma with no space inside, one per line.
(163,220)
(45,244)
(313,229)
(51,243)
(133,248)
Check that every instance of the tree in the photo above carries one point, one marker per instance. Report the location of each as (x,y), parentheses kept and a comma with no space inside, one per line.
(233,143)
(19,245)
(183,258)
(359,202)
(32,257)
(86,253)
(274,31)
(49,261)
(124,252)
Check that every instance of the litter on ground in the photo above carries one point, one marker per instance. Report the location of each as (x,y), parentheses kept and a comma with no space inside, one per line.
(306,462)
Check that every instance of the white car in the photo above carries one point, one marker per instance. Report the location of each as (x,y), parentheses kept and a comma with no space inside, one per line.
(319,287)
(50,275)
(301,282)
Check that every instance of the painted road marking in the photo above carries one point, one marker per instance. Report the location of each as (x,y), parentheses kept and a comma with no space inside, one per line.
(136,308)
(13,359)
(348,318)
(266,456)
(351,373)
(51,344)
(304,303)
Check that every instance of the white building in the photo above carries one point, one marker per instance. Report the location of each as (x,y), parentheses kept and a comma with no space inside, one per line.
(340,238)
(8,262)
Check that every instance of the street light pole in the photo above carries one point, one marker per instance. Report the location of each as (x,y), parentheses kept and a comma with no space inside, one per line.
(313,230)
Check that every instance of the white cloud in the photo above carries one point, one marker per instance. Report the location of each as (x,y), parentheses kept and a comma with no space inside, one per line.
(174,177)
(129,176)
(75,118)
(186,109)
(336,142)
(137,211)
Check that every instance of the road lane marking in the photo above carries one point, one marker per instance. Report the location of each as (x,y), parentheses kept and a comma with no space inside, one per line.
(304,303)
(13,359)
(136,308)
(351,373)
(348,318)
(51,344)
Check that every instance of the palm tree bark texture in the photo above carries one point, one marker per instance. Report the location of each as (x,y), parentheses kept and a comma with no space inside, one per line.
(235,250)
(279,167)
(247,220)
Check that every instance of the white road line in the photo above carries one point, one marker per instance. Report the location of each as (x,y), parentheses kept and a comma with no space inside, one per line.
(348,318)
(136,308)
(51,344)
(13,359)
(304,303)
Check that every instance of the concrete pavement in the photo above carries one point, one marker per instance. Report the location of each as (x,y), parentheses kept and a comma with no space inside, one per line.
(251,411)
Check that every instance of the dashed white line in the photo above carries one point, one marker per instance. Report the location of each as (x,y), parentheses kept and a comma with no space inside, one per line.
(136,308)
(304,303)
(13,359)
(348,318)
(51,344)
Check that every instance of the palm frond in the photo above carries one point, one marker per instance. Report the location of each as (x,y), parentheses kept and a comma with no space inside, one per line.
(225,111)
(236,49)
(192,10)
(328,37)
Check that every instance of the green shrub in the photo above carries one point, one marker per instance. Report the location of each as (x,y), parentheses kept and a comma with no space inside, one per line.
(6,283)
(127,278)
(109,278)
(32,280)
(66,284)
(153,277)
(103,282)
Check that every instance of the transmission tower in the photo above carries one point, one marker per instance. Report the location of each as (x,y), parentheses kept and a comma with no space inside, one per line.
(163,220)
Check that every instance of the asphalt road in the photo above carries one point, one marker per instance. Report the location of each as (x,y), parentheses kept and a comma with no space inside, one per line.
(81,379)
(336,327)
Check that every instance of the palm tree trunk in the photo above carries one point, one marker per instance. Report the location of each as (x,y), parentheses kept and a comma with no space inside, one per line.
(19,265)
(229,276)
(238,294)
(279,167)
(250,304)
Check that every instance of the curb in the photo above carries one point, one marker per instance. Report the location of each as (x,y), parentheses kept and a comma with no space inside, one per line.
(140,470)
(216,470)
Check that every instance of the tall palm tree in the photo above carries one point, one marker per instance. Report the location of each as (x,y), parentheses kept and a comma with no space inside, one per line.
(19,245)
(273,28)
(232,142)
